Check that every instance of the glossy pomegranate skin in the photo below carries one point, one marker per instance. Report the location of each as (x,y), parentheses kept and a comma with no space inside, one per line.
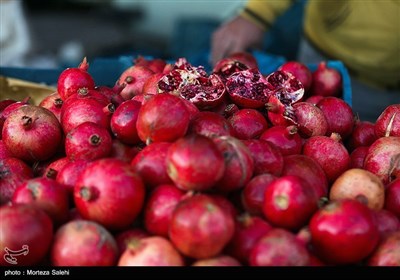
(109,192)
(388,123)
(344,232)
(25,225)
(308,169)
(248,230)
(279,247)
(32,133)
(387,252)
(267,158)
(83,243)
(381,157)
(252,195)
(123,122)
(72,79)
(200,228)
(159,207)
(46,194)
(13,172)
(162,118)
(189,160)
(150,164)
(392,197)
(289,202)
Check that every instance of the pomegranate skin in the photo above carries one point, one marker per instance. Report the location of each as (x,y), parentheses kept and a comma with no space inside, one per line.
(392,197)
(300,71)
(45,194)
(286,139)
(343,224)
(24,226)
(388,123)
(388,251)
(32,133)
(339,116)
(72,79)
(308,169)
(159,207)
(248,124)
(330,153)
(150,164)
(109,192)
(123,122)
(195,163)
(151,251)
(279,247)
(200,228)
(381,156)
(83,243)
(289,202)
(162,118)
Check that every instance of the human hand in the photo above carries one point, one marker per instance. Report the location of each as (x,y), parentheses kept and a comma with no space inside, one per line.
(234,36)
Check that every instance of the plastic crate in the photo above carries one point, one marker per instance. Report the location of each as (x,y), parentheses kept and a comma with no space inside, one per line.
(106,71)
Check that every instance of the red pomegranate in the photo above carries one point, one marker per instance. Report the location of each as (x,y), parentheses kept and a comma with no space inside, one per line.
(72,79)
(79,111)
(267,158)
(109,192)
(13,172)
(248,124)
(88,141)
(123,122)
(392,197)
(284,138)
(150,163)
(381,157)
(363,135)
(308,169)
(388,123)
(310,120)
(83,243)
(189,160)
(239,164)
(279,247)
(45,194)
(387,252)
(252,196)
(151,251)
(69,174)
(344,224)
(330,153)
(162,118)
(134,78)
(53,103)
(248,230)
(357,157)
(339,115)
(126,237)
(210,124)
(27,230)
(159,207)
(32,133)
(326,81)
(289,202)
(200,228)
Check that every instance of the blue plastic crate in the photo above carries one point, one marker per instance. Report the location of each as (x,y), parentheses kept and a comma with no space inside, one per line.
(106,71)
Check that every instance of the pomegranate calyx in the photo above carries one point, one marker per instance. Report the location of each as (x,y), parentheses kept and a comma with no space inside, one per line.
(88,193)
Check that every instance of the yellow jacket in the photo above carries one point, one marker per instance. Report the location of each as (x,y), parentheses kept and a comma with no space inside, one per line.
(364,35)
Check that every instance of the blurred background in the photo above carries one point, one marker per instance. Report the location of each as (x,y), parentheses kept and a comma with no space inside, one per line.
(58,33)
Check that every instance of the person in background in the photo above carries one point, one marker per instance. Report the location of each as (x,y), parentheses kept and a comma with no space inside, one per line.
(15,41)
(364,35)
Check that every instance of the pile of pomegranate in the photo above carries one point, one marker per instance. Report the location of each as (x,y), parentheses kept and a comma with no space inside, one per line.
(175,166)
